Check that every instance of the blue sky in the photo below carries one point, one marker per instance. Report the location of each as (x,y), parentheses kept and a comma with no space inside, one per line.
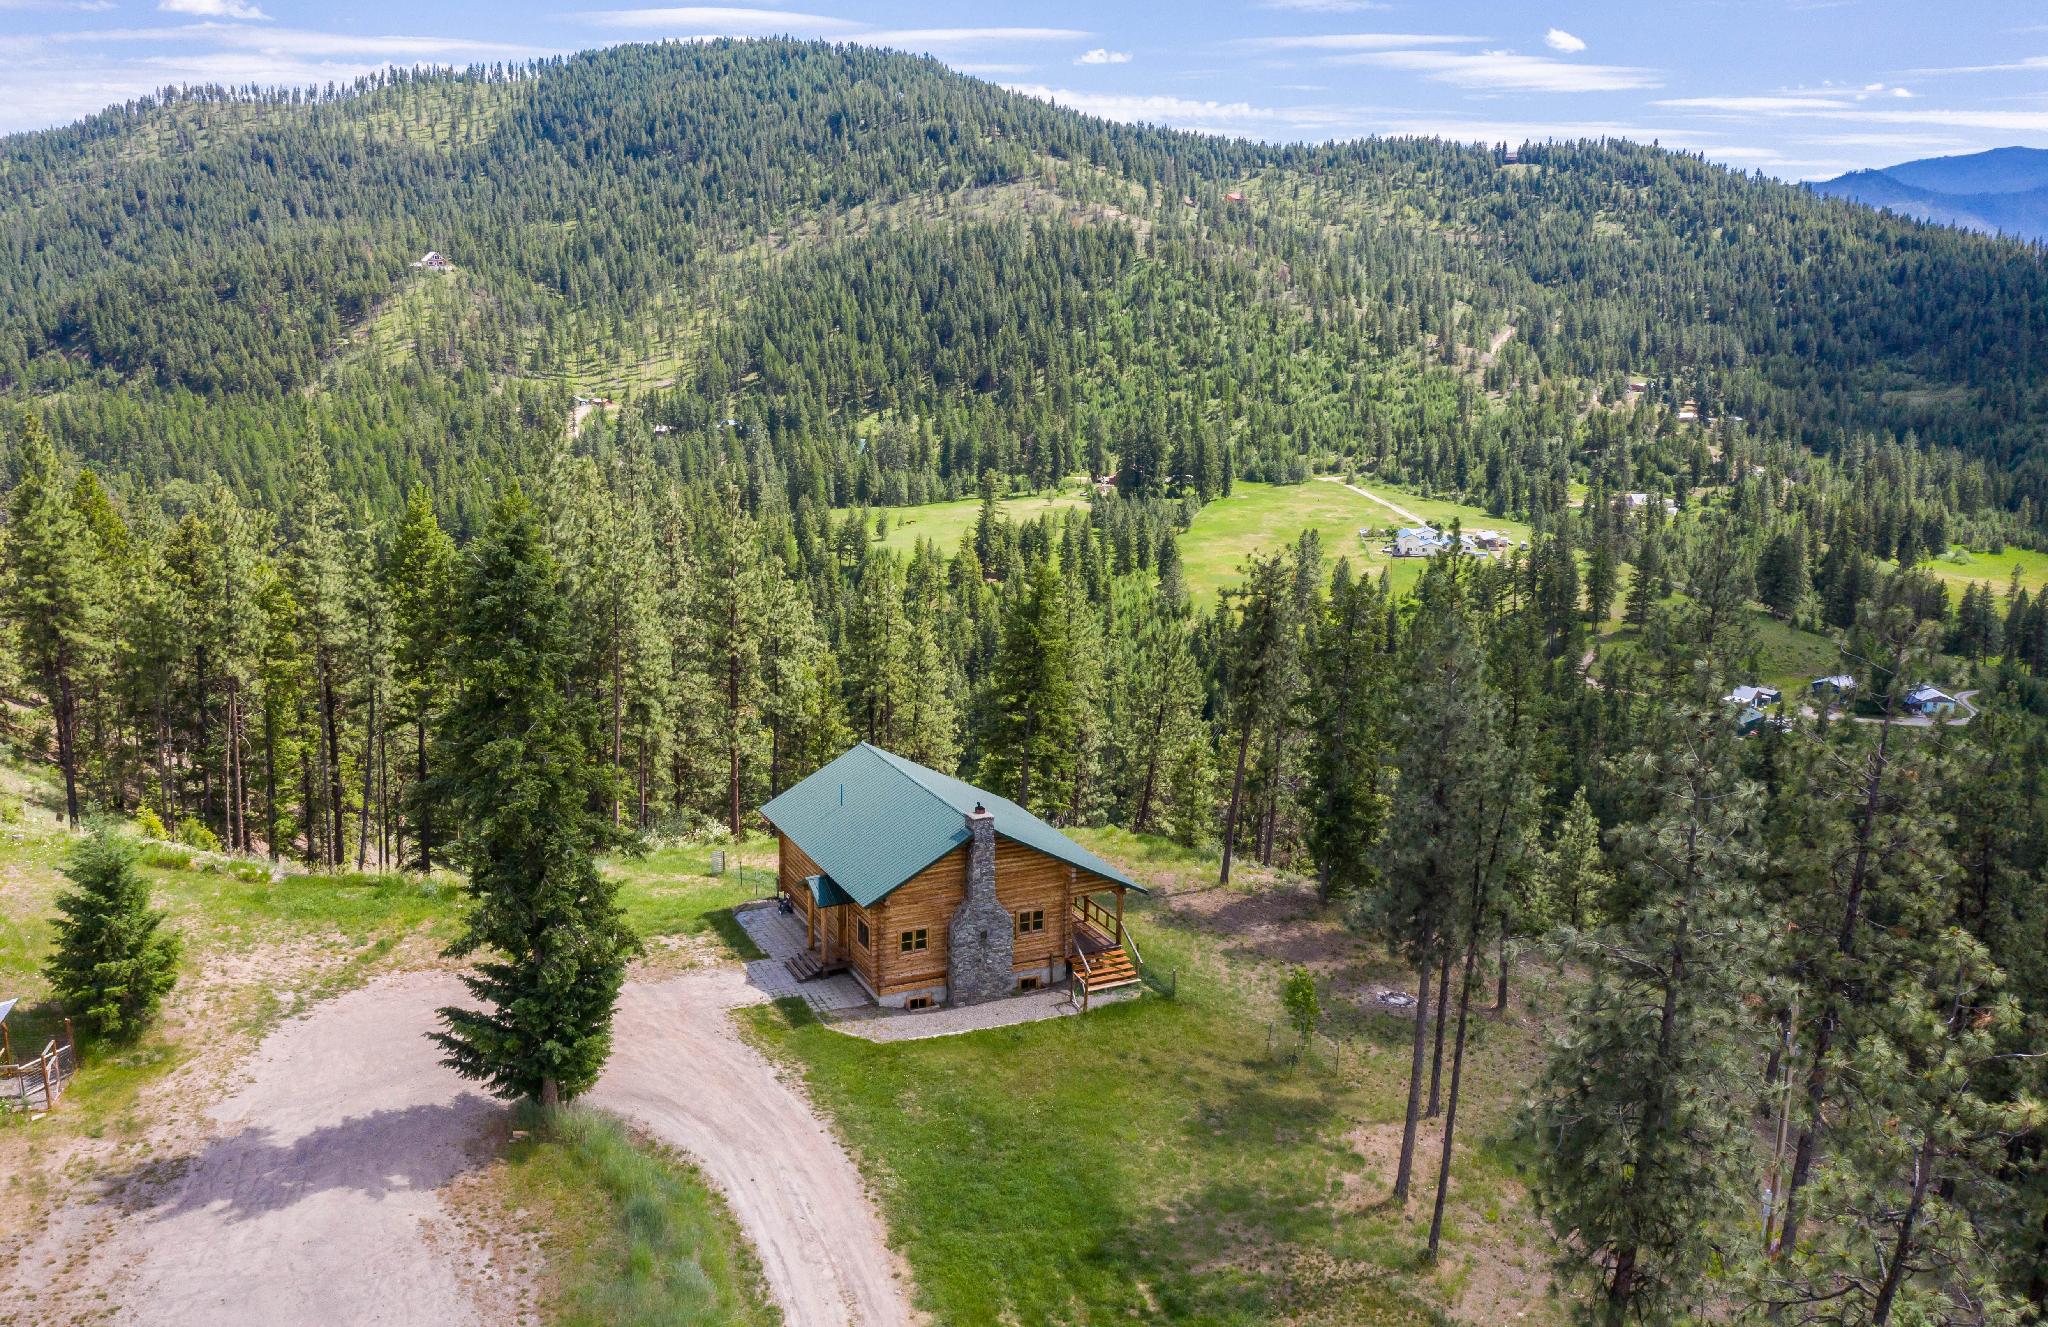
(1796,88)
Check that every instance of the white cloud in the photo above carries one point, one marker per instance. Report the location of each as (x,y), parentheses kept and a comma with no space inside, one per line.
(1352,41)
(1103,56)
(922,38)
(1779,104)
(990,69)
(1557,39)
(1505,71)
(212,8)
(725,20)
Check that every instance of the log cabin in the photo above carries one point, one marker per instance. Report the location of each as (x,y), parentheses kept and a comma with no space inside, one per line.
(931,891)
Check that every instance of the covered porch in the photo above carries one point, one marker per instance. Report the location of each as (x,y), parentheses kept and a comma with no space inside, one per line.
(826,952)
(1102,954)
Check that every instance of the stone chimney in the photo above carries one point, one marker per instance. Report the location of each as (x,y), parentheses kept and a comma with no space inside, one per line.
(980,940)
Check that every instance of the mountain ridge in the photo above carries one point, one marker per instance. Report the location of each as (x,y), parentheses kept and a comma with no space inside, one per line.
(188,284)
(2002,191)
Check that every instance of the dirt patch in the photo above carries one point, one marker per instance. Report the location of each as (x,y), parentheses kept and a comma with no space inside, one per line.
(1280,922)
(1487,1279)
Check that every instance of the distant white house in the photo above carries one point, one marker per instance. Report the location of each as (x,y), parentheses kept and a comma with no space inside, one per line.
(1636,500)
(434,262)
(1418,541)
(1758,696)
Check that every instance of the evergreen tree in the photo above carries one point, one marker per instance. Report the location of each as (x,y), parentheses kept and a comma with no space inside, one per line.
(111,960)
(523,796)
(1257,666)
(1031,749)
(419,584)
(1642,1112)
(1345,714)
(56,594)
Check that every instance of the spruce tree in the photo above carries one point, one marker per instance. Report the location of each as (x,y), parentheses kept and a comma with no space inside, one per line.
(1345,713)
(419,585)
(527,803)
(112,962)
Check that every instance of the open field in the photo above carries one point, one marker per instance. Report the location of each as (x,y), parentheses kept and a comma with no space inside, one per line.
(1171,1160)
(1258,518)
(1992,569)
(944,522)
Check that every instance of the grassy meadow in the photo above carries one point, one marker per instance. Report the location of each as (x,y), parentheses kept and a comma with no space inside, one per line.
(944,522)
(1258,518)
(1183,1161)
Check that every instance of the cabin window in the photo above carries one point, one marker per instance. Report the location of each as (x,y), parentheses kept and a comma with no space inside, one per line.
(913,941)
(918,1002)
(860,931)
(1032,919)
(1027,983)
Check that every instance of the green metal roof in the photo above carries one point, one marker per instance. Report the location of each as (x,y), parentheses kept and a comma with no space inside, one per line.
(872,820)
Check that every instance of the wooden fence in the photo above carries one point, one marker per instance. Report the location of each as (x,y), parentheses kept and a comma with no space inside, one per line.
(35,1084)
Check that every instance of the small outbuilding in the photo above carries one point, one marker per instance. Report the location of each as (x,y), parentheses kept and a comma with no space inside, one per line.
(1833,688)
(931,891)
(1929,702)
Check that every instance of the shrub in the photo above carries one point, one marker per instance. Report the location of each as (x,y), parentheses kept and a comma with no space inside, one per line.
(150,824)
(193,833)
(1298,997)
(112,963)
(12,810)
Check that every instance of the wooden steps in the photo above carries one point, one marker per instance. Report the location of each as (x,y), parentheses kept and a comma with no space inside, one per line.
(1107,970)
(806,967)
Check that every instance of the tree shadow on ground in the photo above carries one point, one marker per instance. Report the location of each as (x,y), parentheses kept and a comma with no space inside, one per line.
(253,1172)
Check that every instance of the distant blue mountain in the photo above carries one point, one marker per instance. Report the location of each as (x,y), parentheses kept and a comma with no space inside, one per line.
(2000,192)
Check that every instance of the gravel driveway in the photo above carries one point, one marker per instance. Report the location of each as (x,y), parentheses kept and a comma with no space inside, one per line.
(315,1198)
(680,1071)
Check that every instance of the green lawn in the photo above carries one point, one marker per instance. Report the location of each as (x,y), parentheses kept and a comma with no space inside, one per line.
(1261,517)
(1167,1161)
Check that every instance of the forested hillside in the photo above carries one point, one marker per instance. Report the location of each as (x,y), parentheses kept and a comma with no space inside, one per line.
(803,237)
(252,451)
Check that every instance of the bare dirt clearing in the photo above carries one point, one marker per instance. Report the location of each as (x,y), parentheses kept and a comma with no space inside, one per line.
(681,1072)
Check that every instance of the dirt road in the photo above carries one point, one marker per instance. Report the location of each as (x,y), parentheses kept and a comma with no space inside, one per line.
(680,1071)
(1399,511)
(316,1198)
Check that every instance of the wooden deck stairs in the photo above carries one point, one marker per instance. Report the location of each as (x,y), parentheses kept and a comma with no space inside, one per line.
(1108,970)
(805,966)
(1103,956)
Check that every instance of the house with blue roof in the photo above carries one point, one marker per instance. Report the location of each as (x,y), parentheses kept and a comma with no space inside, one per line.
(931,891)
